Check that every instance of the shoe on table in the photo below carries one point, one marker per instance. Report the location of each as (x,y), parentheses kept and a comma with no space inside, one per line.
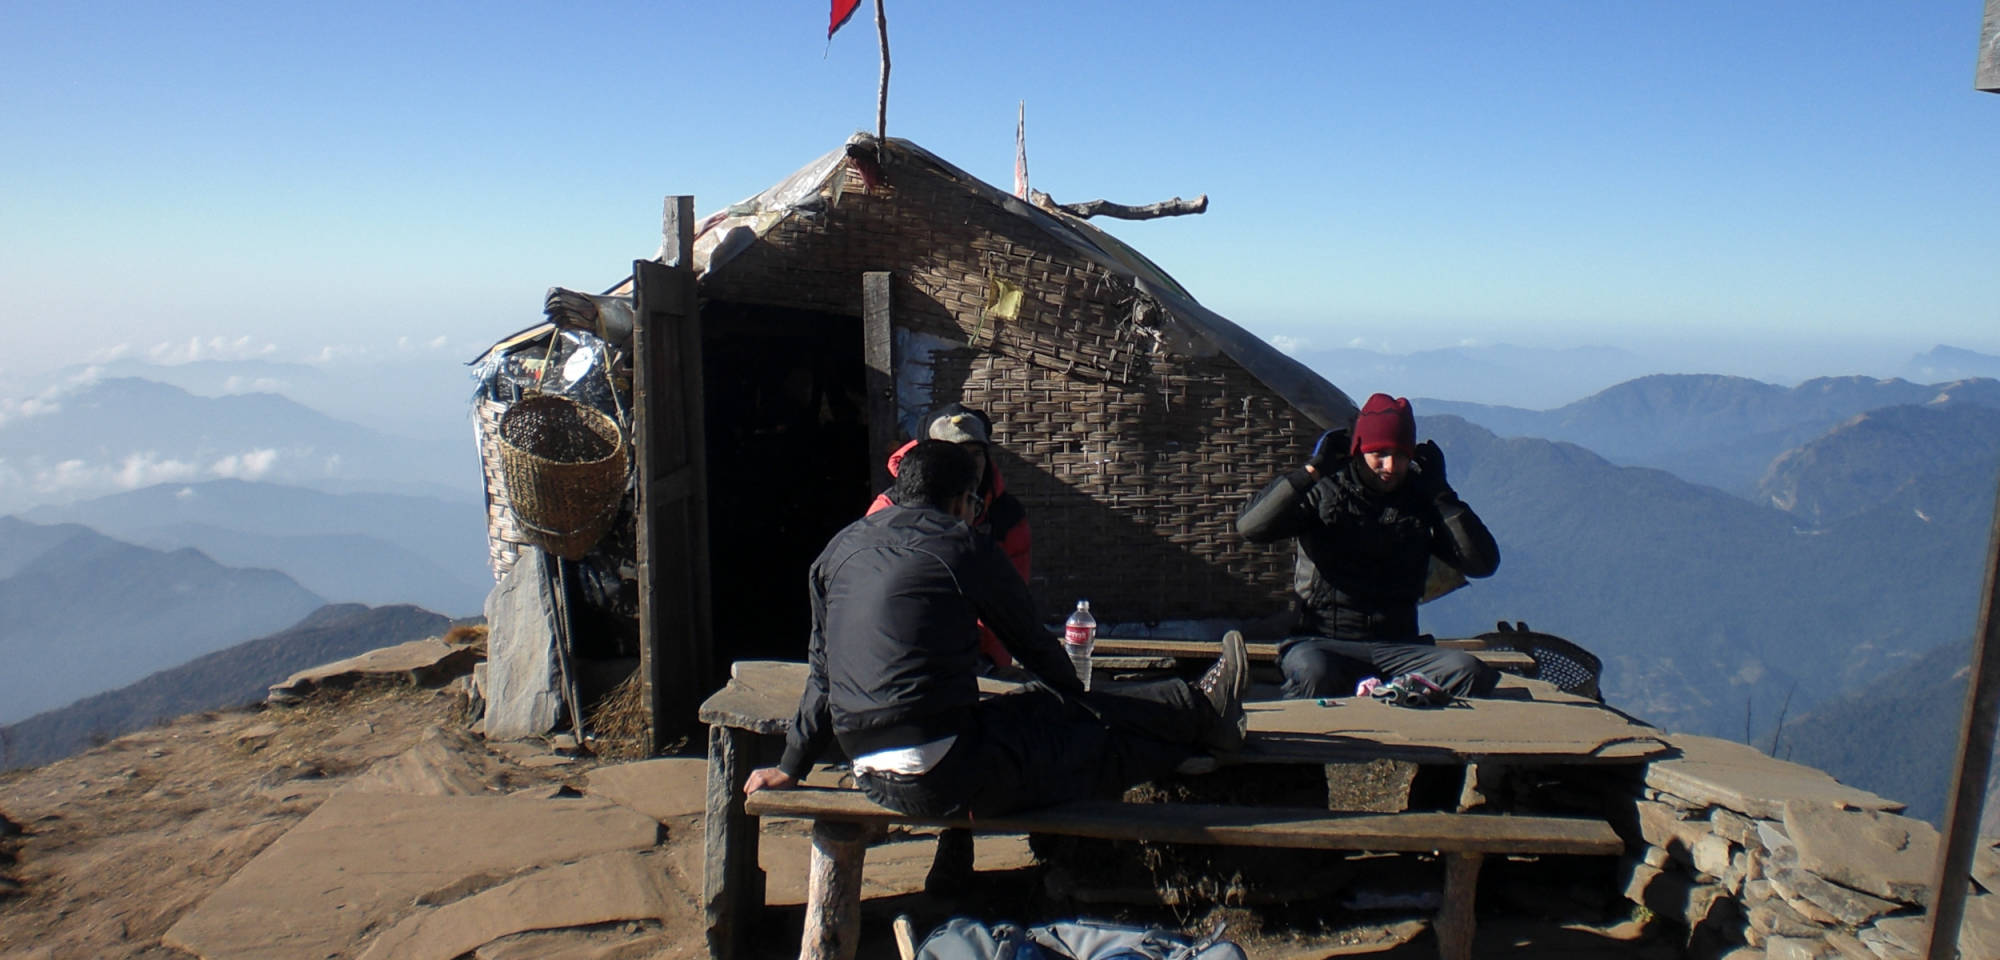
(1223,686)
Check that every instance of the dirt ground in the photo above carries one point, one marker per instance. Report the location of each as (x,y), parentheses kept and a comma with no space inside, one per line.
(119,843)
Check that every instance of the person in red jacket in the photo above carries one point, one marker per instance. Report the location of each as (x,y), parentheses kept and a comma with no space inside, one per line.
(1001,516)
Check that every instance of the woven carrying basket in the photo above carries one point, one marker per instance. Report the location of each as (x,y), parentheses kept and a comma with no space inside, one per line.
(565,468)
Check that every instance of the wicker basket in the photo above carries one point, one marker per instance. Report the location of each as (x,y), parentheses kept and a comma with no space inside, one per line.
(565,469)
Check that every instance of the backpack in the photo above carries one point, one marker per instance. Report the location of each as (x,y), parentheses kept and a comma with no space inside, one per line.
(963,938)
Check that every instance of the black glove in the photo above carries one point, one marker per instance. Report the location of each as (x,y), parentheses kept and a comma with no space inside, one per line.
(1328,451)
(1428,461)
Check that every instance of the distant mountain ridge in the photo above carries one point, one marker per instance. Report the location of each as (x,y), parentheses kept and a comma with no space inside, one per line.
(1716,430)
(229,677)
(1884,456)
(86,613)
(1706,606)
(105,435)
(369,547)
(1491,373)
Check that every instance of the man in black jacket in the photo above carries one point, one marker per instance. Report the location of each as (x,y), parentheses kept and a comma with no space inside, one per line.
(897,598)
(1369,511)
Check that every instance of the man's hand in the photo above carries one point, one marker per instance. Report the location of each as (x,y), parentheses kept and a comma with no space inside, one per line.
(768,778)
(1429,461)
(1331,447)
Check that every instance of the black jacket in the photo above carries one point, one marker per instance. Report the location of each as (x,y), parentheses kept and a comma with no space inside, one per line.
(1363,554)
(897,599)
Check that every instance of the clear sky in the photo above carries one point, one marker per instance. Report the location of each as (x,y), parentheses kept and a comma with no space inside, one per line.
(360,178)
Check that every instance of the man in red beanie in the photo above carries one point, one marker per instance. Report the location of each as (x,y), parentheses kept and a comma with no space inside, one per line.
(1369,511)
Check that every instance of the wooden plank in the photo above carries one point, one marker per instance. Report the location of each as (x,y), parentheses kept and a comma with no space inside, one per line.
(878,344)
(1987,77)
(1975,759)
(1235,826)
(1511,661)
(675,634)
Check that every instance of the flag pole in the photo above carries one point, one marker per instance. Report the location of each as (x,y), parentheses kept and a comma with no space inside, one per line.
(882,91)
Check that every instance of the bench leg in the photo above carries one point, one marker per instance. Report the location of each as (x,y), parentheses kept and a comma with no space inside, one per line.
(833,891)
(731,884)
(1455,914)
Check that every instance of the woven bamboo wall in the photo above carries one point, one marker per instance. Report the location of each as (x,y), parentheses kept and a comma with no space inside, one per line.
(1132,461)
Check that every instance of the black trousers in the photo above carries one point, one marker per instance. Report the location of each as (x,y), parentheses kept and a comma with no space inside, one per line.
(1038,747)
(1317,667)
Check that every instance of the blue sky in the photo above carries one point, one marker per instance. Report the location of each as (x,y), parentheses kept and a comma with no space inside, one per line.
(298,181)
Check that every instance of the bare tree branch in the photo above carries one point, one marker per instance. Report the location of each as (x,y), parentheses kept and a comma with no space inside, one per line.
(1105,208)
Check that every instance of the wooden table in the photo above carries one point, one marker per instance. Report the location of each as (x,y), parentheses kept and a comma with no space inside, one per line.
(1526,722)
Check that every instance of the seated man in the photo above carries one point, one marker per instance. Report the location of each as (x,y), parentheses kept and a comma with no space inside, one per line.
(1369,512)
(897,598)
(1000,516)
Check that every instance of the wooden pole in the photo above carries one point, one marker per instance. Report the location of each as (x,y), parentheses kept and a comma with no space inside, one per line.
(1987,77)
(1454,926)
(1975,760)
(878,343)
(675,634)
(882,89)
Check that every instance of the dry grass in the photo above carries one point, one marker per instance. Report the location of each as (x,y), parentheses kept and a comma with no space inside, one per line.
(619,720)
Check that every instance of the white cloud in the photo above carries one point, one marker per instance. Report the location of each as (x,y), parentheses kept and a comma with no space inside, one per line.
(1290,345)
(117,351)
(213,348)
(249,465)
(437,342)
(143,470)
(242,384)
(184,493)
(44,403)
(335,352)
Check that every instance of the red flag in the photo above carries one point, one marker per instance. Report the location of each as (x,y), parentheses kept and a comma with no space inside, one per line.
(843,11)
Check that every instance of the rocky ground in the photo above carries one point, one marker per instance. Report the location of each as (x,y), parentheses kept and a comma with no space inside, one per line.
(194,839)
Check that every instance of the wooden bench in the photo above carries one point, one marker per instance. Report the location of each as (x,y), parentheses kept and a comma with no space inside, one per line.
(844,821)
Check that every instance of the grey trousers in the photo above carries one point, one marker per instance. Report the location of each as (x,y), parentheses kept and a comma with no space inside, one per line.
(1317,667)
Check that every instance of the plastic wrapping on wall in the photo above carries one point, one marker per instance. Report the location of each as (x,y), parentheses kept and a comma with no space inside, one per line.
(582,367)
(564,363)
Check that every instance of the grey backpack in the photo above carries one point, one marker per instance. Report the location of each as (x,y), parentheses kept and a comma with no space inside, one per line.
(963,938)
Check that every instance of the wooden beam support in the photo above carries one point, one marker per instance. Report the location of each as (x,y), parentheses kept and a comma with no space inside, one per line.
(833,891)
(878,348)
(1975,760)
(731,882)
(1455,916)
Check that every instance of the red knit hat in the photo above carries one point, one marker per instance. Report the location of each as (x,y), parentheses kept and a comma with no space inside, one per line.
(1385,423)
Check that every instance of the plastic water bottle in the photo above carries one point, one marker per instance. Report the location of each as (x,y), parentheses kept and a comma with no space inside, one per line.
(1079,636)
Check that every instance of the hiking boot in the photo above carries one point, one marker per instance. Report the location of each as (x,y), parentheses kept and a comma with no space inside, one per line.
(1228,679)
(1223,686)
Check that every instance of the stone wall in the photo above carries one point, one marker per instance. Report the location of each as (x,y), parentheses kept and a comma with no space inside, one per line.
(1757,857)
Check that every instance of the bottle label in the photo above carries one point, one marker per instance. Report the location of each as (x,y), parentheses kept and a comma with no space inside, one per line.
(1079,636)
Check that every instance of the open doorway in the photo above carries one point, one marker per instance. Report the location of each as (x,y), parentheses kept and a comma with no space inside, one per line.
(788,465)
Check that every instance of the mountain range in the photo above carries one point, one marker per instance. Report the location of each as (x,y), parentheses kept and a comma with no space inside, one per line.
(1715,430)
(102,436)
(1707,608)
(365,547)
(86,612)
(229,677)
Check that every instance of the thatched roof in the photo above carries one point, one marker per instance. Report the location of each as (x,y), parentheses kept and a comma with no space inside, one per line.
(1191,327)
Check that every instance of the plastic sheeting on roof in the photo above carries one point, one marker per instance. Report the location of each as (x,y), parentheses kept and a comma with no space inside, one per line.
(1187,327)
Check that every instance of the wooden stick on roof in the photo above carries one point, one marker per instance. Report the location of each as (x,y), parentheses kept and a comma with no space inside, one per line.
(882,89)
(1105,208)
